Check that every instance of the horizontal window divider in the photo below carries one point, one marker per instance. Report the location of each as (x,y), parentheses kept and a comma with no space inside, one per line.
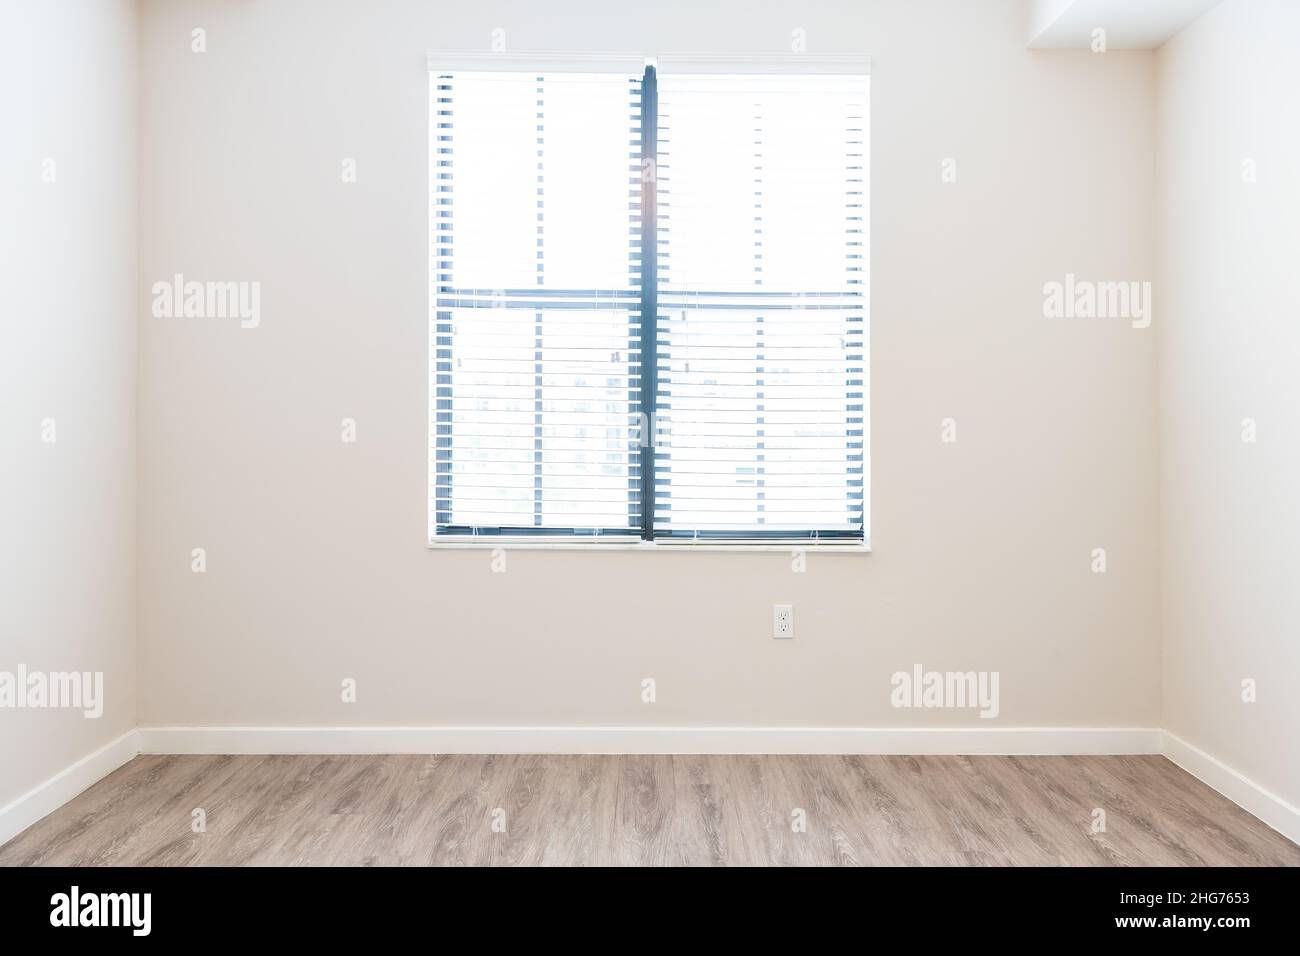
(756,481)
(554,506)
(525,480)
(551,305)
(713,506)
(543,293)
(800,461)
(494,467)
(529,448)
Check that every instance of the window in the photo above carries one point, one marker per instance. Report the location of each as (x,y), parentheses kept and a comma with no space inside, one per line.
(649,304)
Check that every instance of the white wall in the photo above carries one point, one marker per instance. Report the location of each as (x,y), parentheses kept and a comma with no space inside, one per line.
(1228,346)
(316,562)
(68,75)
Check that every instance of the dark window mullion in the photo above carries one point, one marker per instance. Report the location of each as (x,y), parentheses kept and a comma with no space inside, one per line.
(649,296)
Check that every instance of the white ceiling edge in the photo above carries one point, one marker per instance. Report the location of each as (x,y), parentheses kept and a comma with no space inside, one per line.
(1129,24)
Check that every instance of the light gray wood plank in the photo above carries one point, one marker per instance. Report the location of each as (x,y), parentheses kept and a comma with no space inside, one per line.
(649,811)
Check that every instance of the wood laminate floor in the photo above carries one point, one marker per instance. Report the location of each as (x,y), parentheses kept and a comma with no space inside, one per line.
(648,810)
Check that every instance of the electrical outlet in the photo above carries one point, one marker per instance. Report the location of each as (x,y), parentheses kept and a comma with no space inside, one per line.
(783,621)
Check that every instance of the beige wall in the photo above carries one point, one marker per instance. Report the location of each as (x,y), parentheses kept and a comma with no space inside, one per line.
(317,568)
(1228,345)
(68,73)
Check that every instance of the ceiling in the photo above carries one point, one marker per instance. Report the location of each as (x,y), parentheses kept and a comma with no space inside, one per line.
(1129,24)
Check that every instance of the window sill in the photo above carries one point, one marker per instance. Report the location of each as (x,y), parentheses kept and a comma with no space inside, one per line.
(458,543)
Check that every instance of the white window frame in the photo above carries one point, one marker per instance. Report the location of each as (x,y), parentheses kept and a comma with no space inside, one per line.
(757,63)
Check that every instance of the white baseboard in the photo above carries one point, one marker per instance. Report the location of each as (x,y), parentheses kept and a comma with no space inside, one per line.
(1282,816)
(44,798)
(647,740)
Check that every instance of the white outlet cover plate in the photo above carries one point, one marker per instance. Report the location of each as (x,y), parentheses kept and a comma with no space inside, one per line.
(783,613)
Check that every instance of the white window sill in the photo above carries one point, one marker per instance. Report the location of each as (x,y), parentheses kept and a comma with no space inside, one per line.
(568,543)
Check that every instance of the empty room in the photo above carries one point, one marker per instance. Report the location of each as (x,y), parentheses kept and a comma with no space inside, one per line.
(597,433)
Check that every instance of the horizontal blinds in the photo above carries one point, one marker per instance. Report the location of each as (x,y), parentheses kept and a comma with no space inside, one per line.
(535,338)
(762,360)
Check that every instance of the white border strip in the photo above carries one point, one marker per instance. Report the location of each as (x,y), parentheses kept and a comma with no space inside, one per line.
(45,798)
(1282,816)
(825,64)
(850,64)
(440,61)
(576,542)
(647,740)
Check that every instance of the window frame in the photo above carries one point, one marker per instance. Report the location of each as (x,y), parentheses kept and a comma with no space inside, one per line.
(619,539)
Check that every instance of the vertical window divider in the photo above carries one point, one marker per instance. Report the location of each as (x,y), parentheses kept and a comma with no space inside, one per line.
(649,297)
